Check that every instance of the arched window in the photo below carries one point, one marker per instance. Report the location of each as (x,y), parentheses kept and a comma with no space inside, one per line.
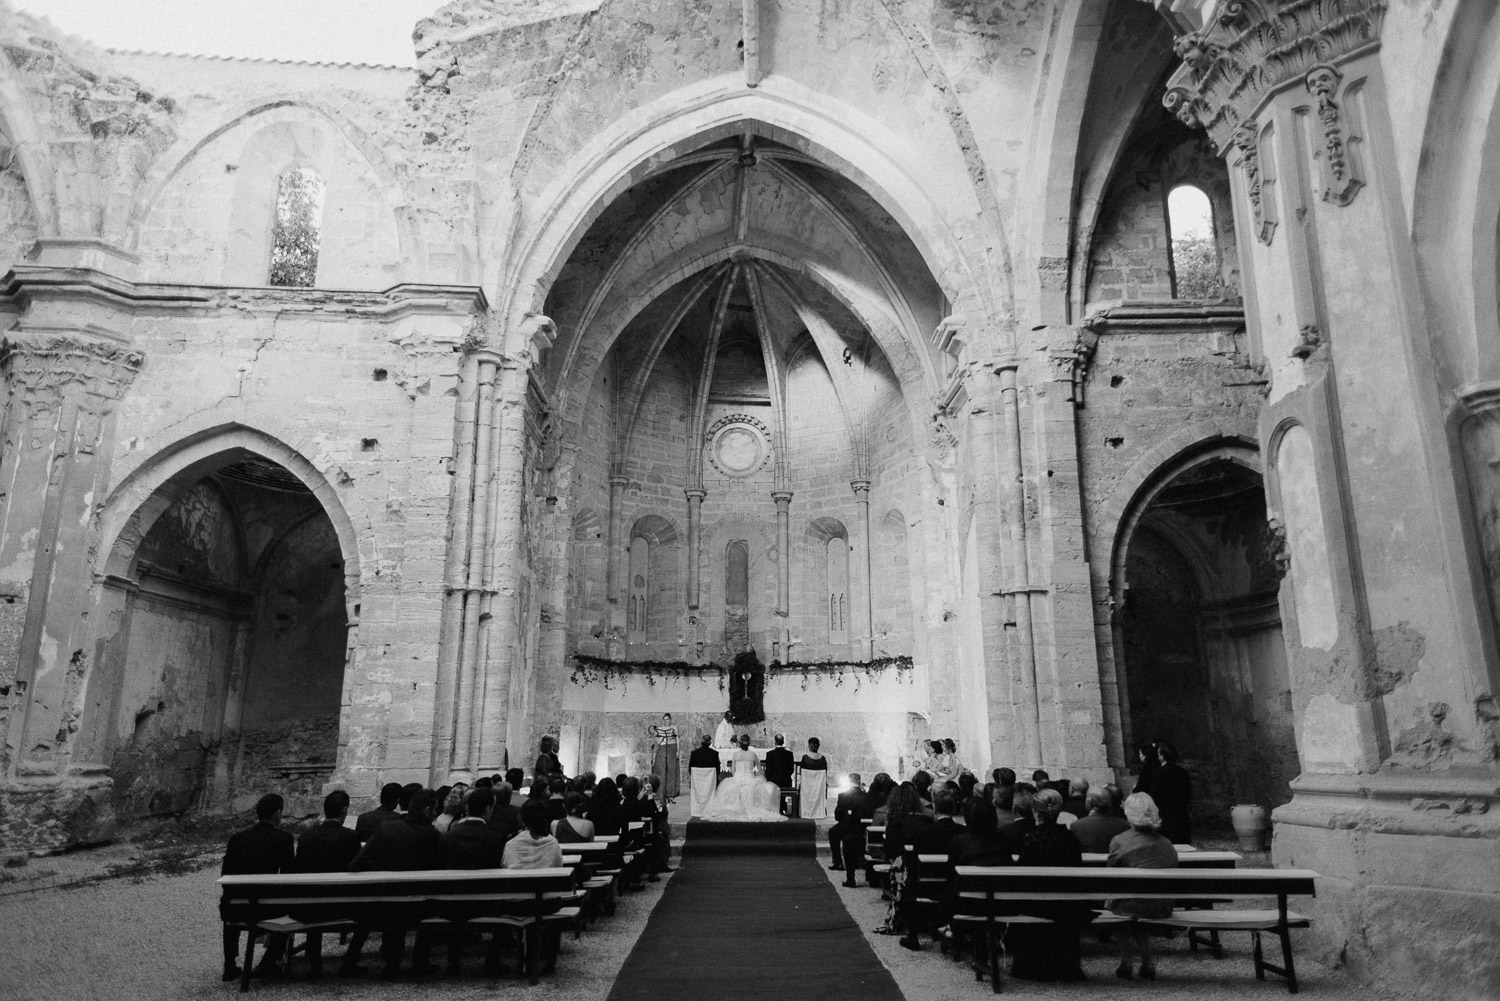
(837,555)
(1195,244)
(640,580)
(297,230)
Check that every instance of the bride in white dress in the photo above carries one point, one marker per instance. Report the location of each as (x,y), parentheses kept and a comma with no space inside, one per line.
(745,796)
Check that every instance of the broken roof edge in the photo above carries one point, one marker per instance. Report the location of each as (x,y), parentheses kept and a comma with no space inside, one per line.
(269,62)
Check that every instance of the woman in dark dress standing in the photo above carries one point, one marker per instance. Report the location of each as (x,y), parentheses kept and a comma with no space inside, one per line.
(1149,761)
(1173,792)
(1050,952)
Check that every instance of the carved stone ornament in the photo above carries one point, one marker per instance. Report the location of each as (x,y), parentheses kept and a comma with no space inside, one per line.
(1260,182)
(1253,47)
(1069,359)
(41,368)
(1341,181)
(739,445)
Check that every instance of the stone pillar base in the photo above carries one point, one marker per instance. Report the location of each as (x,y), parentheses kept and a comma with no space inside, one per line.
(1410,865)
(51,812)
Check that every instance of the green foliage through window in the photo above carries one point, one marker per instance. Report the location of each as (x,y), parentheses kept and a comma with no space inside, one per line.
(298,229)
(1196,263)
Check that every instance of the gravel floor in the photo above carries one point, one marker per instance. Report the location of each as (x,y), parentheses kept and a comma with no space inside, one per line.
(158,938)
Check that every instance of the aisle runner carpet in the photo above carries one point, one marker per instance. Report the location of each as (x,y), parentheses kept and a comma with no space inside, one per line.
(751,916)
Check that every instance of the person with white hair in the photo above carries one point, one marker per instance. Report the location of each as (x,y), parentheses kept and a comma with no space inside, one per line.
(1141,847)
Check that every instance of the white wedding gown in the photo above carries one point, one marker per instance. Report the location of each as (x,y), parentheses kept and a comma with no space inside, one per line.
(744,796)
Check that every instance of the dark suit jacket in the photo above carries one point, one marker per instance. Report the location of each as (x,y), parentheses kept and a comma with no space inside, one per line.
(365,824)
(400,846)
(329,847)
(258,850)
(853,806)
(471,844)
(779,764)
(1095,831)
(1014,833)
(937,838)
(705,757)
(506,820)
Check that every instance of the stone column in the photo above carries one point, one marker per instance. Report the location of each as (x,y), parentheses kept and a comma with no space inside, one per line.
(695,542)
(1015,565)
(1392,677)
(503,723)
(861,490)
(614,580)
(62,387)
(783,499)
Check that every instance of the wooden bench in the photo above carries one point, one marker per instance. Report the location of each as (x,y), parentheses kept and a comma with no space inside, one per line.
(336,901)
(990,897)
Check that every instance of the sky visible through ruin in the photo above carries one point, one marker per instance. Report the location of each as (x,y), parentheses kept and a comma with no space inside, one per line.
(359,31)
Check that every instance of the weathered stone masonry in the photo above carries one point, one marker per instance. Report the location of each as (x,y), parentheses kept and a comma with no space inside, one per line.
(651,332)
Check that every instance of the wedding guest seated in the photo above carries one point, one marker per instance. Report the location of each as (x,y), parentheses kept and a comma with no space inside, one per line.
(556,806)
(846,838)
(880,791)
(1075,802)
(966,783)
(407,792)
(258,850)
(575,827)
(1098,828)
(979,842)
(1015,832)
(516,779)
(453,807)
(408,845)
(1141,847)
(658,843)
(1116,801)
(937,837)
(1039,778)
(485,782)
(605,810)
(534,848)
(506,816)
(471,843)
(922,782)
(1050,952)
(390,797)
(330,847)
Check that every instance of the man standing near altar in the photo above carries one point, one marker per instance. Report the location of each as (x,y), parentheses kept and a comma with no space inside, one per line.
(703,776)
(724,734)
(779,766)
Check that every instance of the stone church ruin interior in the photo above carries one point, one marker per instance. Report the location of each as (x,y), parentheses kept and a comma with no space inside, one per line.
(1053,375)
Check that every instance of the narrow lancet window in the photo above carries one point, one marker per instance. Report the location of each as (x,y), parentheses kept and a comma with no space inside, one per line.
(1195,244)
(297,230)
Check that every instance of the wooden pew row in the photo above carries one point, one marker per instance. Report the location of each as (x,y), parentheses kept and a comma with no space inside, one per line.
(298,902)
(990,897)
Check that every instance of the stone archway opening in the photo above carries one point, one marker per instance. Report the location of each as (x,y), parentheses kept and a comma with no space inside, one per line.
(221,670)
(1198,630)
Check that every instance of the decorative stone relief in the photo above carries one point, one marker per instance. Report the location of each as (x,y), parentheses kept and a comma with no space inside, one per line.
(1341,180)
(1253,47)
(1260,182)
(738,445)
(40,369)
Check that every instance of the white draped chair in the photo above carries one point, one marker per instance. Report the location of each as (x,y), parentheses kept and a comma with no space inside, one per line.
(814,793)
(701,784)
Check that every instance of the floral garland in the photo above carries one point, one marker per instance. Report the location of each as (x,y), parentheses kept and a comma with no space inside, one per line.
(588,670)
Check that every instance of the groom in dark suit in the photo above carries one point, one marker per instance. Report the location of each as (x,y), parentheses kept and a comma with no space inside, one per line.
(779,765)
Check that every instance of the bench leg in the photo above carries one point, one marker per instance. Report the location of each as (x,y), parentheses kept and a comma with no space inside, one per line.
(1260,965)
(1285,934)
(533,933)
(249,956)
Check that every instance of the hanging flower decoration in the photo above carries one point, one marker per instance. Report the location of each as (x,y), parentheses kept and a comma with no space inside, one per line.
(597,670)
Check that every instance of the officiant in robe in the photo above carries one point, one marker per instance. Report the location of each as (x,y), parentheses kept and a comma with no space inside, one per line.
(703,776)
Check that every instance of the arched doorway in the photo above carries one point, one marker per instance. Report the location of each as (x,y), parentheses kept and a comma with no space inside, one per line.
(224,630)
(1198,631)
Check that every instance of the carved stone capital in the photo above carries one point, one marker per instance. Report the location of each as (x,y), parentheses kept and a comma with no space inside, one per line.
(41,367)
(1068,358)
(1252,48)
